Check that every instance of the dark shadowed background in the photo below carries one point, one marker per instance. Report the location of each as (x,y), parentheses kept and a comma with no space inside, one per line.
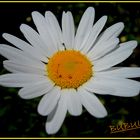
(19,118)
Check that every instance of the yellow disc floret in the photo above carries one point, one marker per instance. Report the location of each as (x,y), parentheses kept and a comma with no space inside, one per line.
(69,69)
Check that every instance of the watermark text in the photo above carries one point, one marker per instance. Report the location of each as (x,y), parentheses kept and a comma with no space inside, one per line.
(124,127)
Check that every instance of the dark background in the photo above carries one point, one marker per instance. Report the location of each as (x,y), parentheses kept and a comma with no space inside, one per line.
(19,118)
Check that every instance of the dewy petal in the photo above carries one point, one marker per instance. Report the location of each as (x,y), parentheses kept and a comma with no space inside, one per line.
(73,102)
(115,57)
(54,25)
(18,56)
(98,26)
(34,38)
(36,89)
(49,101)
(103,49)
(84,28)
(92,103)
(56,118)
(23,68)
(44,31)
(19,79)
(113,86)
(68,30)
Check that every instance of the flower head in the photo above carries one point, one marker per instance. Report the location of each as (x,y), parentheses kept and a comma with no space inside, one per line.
(68,66)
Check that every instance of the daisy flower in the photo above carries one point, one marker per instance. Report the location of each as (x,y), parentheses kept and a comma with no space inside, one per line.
(67,66)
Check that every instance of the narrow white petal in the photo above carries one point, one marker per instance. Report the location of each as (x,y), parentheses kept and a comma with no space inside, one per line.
(124,72)
(85,27)
(92,103)
(18,56)
(36,89)
(113,86)
(34,38)
(111,32)
(73,102)
(102,49)
(27,48)
(68,30)
(44,31)
(52,34)
(23,68)
(19,79)
(56,118)
(55,28)
(98,26)
(97,85)
(10,52)
(18,42)
(115,57)
(49,101)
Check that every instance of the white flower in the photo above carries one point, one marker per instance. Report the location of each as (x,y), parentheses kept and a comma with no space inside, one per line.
(68,68)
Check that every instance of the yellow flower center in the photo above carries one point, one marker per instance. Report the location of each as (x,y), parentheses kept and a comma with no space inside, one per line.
(69,69)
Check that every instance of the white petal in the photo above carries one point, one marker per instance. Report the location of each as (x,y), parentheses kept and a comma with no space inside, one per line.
(98,26)
(51,31)
(124,72)
(32,52)
(44,32)
(113,86)
(111,32)
(55,28)
(107,36)
(103,49)
(85,27)
(73,102)
(19,79)
(23,68)
(10,52)
(18,56)
(68,30)
(36,89)
(34,38)
(49,101)
(56,118)
(92,103)
(115,57)
(97,85)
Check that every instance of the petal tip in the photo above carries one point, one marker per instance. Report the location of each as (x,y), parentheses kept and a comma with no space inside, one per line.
(90,9)
(104,18)
(50,130)
(39,110)
(4,35)
(34,13)
(21,26)
(48,13)
(121,24)
(135,43)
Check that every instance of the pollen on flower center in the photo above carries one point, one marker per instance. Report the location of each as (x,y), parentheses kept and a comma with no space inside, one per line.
(69,69)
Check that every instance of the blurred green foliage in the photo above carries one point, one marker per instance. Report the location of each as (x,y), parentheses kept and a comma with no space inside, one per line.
(19,118)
